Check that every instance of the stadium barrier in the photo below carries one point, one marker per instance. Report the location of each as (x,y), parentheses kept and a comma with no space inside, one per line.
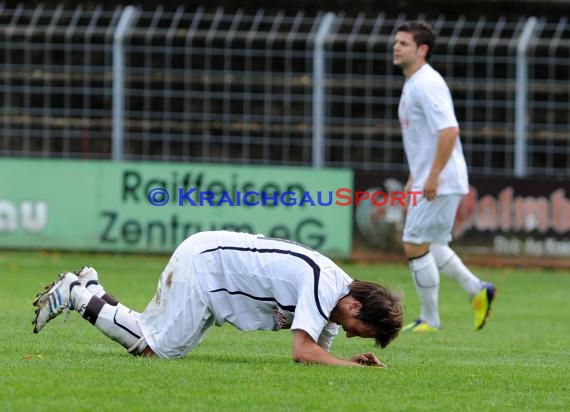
(151,207)
(273,89)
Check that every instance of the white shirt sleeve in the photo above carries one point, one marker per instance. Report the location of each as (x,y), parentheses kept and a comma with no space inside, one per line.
(327,336)
(436,101)
(315,304)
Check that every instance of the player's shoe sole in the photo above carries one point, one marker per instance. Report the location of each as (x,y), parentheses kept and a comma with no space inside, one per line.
(419,326)
(482,304)
(54,299)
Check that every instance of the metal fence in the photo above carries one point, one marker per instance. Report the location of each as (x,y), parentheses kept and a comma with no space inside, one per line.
(195,86)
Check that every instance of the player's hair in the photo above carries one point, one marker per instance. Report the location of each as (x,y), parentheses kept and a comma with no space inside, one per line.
(422,33)
(381,309)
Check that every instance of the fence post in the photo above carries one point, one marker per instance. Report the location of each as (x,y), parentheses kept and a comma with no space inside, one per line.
(127,17)
(521,100)
(319,90)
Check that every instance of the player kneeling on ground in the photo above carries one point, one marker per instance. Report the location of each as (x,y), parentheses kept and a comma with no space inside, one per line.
(250,281)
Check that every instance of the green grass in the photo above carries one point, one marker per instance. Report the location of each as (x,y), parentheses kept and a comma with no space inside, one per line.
(520,361)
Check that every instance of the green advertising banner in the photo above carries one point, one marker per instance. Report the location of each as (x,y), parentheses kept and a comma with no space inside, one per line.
(151,207)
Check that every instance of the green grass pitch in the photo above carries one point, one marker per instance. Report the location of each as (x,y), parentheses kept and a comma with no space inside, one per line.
(520,361)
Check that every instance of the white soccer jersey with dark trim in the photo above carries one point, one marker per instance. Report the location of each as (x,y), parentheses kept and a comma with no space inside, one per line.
(425,108)
(259,283)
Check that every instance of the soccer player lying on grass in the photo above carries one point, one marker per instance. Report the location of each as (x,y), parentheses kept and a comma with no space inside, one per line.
(250,281)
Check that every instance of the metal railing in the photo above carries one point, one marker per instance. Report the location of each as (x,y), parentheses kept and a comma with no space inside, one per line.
(194,86)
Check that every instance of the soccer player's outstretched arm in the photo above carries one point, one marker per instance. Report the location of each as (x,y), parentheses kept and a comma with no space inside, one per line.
(306,350)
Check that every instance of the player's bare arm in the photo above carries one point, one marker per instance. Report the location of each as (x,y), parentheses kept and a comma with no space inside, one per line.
(445,146)
(306,350)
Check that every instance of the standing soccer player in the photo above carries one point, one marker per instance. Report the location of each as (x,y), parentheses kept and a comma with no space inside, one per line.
(438,170)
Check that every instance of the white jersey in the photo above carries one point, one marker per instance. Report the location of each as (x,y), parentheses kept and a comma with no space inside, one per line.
(259,283)
(426,108)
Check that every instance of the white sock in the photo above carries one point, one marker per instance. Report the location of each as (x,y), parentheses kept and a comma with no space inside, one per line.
(451,265)
(80,297)
(426,279)
(116,322)
(96,288)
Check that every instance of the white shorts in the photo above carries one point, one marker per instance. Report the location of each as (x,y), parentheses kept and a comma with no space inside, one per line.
(177,318)
(431,221)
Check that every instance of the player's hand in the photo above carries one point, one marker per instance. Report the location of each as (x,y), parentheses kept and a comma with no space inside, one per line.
(430,187)
(368,359)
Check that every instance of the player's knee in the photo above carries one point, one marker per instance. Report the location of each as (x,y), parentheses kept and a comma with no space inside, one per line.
(414,251)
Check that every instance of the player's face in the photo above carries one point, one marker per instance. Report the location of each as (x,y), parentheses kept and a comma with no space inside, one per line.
(355,327)
(346,313)
(405,51)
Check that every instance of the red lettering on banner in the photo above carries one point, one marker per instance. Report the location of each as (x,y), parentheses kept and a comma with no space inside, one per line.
(340,194)
(560,211)
(360,195)
(531,213)
(377,195)
(510,213)
(505,199)
(486,213)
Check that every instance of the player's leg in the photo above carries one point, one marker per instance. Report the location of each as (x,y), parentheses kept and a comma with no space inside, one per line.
(428,222)
(89,278)
(425,276)
(117,322)
(67,293)
(426,281)
(452,266)
(481,293)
